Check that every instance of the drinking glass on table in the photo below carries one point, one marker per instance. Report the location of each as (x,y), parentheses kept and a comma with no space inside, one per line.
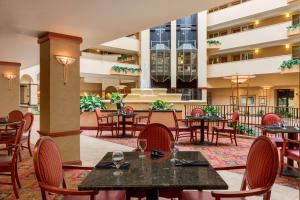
(142,144)
(284,124)
(117,158)
(174,150)
(296,125)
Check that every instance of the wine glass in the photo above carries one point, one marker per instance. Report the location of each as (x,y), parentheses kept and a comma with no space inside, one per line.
(296,125)
(142,143)
(174,150)
(284,123)
(117,158)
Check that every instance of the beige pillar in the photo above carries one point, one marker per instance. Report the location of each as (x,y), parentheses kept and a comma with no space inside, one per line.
(9,87)
(145,59)
(173,55)
(202,53)
(59,101)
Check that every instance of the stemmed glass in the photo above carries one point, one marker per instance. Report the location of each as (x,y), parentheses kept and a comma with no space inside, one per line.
(174,150)
(296,125)
(142,143)
(284,123)
(117,158)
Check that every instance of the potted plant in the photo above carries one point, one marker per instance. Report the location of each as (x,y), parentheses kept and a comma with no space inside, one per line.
(213,44)
(126,70)
(90,103)
(160,105)
(118,100)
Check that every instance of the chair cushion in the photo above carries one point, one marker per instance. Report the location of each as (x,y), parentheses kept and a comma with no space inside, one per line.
(196,195)
(293,153)
(184,127)
(103,195)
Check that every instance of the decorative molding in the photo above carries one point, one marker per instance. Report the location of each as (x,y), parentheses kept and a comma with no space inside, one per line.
(10,64)
(60,134)
(50,35)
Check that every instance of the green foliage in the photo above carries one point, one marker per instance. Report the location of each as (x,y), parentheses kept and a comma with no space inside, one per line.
(125,69)
(260,112)
(288,64)
(161,105)
(243,129)
(215,42)
(116,98)
(210,110)
(294,26)
(283,112)
(90,103)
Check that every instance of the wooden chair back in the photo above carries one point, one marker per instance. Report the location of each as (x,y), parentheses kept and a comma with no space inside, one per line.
(28,117)
(158,137)
(128,109)
(196,111)
(270,119)
(15,116)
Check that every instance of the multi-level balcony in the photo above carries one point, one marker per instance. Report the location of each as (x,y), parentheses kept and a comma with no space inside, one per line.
(264,35)
(266,65)
(124,44)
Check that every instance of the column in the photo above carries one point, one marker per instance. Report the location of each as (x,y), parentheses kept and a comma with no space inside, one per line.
(59,100)
(145,59)
(202,53)
(9,87)
(173,55)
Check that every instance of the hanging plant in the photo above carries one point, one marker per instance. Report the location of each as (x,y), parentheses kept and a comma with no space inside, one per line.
(213,42)
(293,27)
(125,69)
(288,64)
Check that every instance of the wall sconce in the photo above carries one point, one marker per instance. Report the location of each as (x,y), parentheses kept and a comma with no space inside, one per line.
(287,46)
(256,51)
(256,22)
(10,77)
(65,61)
(287,15)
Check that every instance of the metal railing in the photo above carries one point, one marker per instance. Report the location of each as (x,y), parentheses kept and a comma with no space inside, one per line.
(250,116)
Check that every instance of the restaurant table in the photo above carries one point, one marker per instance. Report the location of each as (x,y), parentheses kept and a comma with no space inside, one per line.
(203,119)
(292,133)
(150,176)
(124,116)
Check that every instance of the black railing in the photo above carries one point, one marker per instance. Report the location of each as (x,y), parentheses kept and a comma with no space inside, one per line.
(250,116)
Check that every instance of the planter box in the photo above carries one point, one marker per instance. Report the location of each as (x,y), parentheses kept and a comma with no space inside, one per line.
(125,73)
(294,69)
(293,32)
(213,46)
(88,120)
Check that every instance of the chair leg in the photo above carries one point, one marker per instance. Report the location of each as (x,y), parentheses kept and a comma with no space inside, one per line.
(14,184)
(230,137)
(17,176)
(98,130)
(20,157)
(212,137)
(281,163)
(267,196)
(29,147)
(217,135)
(235,140)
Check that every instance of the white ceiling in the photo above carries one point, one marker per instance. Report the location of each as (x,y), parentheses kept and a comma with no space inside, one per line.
(97,21)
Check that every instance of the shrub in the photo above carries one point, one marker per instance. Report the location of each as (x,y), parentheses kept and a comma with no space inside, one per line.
(161,105)
(211,110)
(90,103)
(288,64)
(215,42)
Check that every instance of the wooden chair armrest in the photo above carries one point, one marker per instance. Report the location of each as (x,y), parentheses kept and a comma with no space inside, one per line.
(236,194)
(231,167)
(291,141)
(65,191)
(76,167)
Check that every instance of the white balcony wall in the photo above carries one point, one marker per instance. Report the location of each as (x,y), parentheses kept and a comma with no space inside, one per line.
(246,67)
(243,10)
(99,67)
(124,43)
(261,35)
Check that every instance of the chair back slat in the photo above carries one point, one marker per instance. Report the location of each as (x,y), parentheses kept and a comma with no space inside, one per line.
(262,163)
(48,162)
(175,119)
(128,110)
(158,137)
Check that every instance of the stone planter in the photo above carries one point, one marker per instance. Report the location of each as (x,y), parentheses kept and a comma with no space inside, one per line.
(125,73)
(293,32)
(294,69)
(88,121)
(212,47)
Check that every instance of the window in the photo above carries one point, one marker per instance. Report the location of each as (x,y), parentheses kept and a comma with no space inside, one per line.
(247,27)
(236,30)
(247,55)
(236,57)
(296,19)
(223,33)
(223,59)
(296,52)
(213,61)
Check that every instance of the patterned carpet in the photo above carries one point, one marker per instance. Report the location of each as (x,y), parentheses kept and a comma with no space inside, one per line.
(223,155)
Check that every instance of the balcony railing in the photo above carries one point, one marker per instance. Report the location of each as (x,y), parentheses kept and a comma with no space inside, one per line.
(250,116)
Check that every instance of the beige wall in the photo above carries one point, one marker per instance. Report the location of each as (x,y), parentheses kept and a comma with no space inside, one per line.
(9,98)
(90,88)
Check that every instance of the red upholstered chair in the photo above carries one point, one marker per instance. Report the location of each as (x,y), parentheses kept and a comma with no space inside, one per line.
(28,117)
(141,122)
(49,173)
(8,164)
(290,153)
(196,125)
(158,137)
(259,177)
(273,119)
(226,131)
(128,120)
(105,123)
(182,129)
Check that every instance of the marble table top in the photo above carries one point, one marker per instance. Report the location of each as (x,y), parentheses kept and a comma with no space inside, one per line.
(277,129)
(146,174)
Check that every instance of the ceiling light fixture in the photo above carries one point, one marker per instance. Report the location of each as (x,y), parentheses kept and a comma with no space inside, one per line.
(65,61)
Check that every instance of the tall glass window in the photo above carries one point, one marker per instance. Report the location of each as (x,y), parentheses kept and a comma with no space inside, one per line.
(160,55)
(187,48)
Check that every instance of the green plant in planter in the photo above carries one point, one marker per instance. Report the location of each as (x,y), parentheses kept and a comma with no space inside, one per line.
(125,69)
(288,64)
(116,98)
(161,105)
(90,103)
(260,113)
(210,110)
(213,42)
(294,26)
